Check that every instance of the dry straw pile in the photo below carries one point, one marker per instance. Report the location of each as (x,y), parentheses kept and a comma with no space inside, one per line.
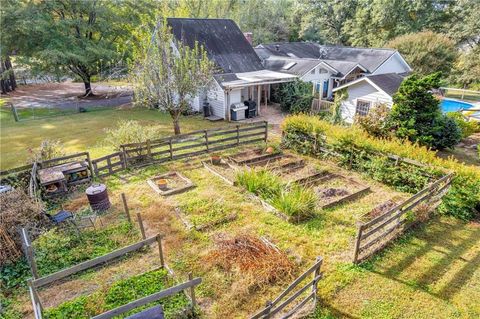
(17,210)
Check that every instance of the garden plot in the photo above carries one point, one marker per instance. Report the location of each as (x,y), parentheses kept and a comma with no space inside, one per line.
(222,169)
(170,183)
(204,213)
(255,155)
(305,174)
(282,163)
(334,189)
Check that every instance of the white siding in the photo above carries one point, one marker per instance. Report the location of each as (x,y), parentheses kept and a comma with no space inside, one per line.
(216,98)
(235,96)
(363,91)
(318,78)
(394,64)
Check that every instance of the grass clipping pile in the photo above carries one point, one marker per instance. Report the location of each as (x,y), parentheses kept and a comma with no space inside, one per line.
(17,210)
(256,261)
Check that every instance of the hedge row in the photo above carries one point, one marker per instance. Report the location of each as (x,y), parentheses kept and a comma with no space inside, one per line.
(359,151)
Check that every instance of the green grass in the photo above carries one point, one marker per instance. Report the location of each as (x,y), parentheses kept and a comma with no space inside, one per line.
(121,293)
(467,96)
(432,272)
(80,132)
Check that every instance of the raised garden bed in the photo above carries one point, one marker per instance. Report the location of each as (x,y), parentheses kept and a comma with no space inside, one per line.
(170,183)
(252,156)
(304,175)
(223,170)
(204,214)
(278,163)
(335,189)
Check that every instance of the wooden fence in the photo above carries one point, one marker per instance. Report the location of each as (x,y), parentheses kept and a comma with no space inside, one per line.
(109,164)
(375,234)
(193,144)
(36,282)
(319,106)
(189,285)
(287,298)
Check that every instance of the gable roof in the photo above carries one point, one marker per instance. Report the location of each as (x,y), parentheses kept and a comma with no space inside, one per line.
(293,66)
(387,83)
(225,44)
(369,58)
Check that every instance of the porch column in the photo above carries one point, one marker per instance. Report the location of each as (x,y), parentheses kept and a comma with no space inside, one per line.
(259,97)
(266,94)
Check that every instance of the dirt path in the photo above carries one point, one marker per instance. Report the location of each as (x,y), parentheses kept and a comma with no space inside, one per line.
(66,95)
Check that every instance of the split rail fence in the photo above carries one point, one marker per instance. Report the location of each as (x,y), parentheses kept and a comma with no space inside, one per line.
(375,234)
(274,308)
(157,151)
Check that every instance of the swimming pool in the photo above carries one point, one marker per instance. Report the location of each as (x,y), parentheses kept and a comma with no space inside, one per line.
(448,105)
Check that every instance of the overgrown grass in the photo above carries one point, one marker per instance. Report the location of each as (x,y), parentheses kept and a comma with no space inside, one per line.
(121,293)
(295,201)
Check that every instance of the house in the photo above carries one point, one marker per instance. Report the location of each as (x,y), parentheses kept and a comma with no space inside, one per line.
(240,75)
(329,67)
(367,92)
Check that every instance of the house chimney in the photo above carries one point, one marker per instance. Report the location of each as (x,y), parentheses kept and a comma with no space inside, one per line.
(249,37)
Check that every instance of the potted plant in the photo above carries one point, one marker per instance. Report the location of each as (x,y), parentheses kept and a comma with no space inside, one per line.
(162,184)
(216,159)
(269,150)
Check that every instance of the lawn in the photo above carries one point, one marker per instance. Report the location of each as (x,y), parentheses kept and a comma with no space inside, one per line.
(432,272)
(80,132)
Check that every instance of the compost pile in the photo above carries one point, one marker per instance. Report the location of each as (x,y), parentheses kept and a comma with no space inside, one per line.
(256,260)
(17,210)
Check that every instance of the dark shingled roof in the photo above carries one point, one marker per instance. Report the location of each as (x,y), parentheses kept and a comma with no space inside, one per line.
(222,39)
(371,59)
(299,66)
(389,82)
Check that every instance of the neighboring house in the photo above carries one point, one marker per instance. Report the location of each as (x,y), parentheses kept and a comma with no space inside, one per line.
(329,66)
(367,92)
(240,74)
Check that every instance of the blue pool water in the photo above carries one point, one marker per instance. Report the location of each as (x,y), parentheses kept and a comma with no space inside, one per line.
(453,105)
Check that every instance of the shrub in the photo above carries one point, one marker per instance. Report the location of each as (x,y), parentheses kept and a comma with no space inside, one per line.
(129,132)
(296,202)
(448,133)
(467,127)
(376,122)
(461,201)
(294,97)
(48,149)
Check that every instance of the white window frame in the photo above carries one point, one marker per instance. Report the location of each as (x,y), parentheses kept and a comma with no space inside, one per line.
(362,111)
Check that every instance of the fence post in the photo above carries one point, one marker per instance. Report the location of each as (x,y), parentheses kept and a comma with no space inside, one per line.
(29,253)
(316,273)
(90,166)
(149,149)
(238,134)
(206,139)
(14,111)
(125,207)
(160,250)
(357,242)
(109,163)
(266,131)
(192,292)
(140,223)
(171,148)
(35,299)
(268,308)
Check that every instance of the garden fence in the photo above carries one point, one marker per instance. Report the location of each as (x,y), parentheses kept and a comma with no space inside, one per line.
(319,106)
(375,234)
(286,298)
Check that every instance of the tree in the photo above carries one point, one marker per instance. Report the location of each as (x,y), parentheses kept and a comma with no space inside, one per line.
(416,114)
(170,74)
(426,52)
(464,24)
(324,20)
(466,69)
(79,37)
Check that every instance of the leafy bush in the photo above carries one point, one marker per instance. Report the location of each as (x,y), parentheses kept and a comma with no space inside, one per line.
(376,122)
(121,293)
(48,149)
(294,97)
(461,201)
(448,133)
(130,132)
(467,127)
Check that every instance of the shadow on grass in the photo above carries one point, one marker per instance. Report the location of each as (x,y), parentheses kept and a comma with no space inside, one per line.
(446,240)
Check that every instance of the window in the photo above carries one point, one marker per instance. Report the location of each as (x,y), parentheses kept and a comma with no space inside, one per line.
(313,71)
(289,65)
(363,107)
